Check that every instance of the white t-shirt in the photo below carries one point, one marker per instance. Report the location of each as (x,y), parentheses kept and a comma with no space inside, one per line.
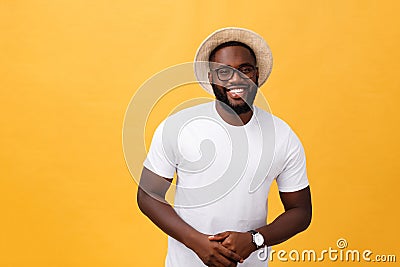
(224,172)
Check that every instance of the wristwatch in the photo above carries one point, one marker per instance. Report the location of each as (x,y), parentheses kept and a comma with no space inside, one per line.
(258,239)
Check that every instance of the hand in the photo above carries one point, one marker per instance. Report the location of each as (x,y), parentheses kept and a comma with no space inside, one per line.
(239,242)
(214,253)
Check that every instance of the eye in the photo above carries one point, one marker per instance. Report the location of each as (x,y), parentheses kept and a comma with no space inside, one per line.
(246,70)
(224,71)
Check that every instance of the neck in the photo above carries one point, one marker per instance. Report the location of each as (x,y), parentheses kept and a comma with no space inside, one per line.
(231,117)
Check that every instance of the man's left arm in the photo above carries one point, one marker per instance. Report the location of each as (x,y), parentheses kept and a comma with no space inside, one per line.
(295,219)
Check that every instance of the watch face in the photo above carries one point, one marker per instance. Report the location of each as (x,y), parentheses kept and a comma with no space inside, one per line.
(258,239)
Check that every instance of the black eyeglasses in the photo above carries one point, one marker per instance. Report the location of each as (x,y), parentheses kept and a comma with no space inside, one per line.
(226,73)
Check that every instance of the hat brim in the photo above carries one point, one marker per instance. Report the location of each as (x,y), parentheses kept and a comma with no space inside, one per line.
(248,37)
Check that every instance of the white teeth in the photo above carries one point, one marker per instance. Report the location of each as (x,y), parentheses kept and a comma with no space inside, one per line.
(236,91)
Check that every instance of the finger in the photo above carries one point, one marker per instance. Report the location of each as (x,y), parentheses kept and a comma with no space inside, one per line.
(229,254)
(220,261)
(225,262)
(219,237)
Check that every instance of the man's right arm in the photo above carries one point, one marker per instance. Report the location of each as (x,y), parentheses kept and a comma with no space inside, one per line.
(151,201)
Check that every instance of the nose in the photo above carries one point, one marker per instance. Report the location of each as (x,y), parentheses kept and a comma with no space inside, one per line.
(236,76)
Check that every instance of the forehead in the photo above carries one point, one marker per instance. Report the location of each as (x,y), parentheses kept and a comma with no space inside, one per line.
(234,56)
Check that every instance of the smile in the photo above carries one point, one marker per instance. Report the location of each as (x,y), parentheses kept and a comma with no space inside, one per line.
(236,92)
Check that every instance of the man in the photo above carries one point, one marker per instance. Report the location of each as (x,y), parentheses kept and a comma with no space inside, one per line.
(226,154)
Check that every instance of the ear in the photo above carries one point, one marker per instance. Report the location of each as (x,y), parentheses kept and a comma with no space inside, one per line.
(210,77)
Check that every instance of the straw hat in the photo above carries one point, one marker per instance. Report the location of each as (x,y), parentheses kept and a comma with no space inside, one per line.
(250,38)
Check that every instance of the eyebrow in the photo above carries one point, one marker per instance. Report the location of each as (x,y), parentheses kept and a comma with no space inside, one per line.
(246,64)
(220,65)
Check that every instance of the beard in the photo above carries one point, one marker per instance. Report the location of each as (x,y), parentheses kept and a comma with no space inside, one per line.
(246,106)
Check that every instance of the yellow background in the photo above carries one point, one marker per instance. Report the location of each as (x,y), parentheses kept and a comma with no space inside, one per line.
(69,68)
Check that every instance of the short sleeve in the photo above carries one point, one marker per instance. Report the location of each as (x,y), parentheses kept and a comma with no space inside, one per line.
(157,160)
(293,176)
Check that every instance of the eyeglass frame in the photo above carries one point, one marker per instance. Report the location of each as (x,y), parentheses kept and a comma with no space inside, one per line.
(240,73)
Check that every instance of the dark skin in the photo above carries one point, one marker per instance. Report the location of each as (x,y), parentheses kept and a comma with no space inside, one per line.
(235,57)
(226,248)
